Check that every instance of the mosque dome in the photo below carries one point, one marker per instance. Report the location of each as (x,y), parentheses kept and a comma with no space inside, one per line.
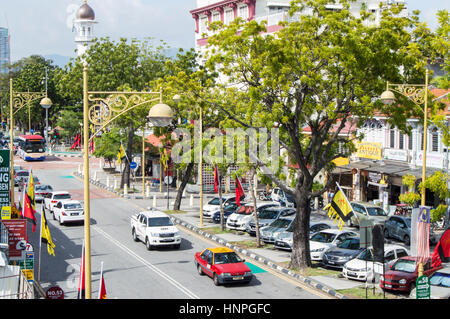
(85,12)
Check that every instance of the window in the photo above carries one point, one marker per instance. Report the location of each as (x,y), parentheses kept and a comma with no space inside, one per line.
(410,141)
(243,12)
(203,24)
(389,256)
(435,140)
(401,141)
(401,253)
(216,16)
(229,16)
(421,141)
(392,138)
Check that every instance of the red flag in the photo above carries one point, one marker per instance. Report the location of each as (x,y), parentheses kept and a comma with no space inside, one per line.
(102,290)
(441,252)
(239,190)
(27,210)
(216,180)
(435,258)
(81,286)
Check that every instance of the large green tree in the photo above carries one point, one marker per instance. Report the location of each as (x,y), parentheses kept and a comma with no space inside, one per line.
(317,73)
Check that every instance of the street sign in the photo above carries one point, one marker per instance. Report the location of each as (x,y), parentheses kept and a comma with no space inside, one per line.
(133,165)
(423,287)
(5,212)
(54,293)
(17,237)
(4,178)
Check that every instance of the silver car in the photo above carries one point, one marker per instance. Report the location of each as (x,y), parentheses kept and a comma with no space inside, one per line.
(285,238)
(269,233)
(399,227)
(367,210)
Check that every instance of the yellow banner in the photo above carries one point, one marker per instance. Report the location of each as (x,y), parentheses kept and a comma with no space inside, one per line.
(369,150)
(6,212)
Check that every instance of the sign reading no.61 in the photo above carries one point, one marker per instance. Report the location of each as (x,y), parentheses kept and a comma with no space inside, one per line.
(4,177)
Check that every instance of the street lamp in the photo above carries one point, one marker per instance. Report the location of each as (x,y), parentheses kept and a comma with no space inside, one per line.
(418,94)
(161,115)
(46,103)
(177,98)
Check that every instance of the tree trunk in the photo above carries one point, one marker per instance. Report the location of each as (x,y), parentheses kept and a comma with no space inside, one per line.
(220,203)
(184,180)
(300,257)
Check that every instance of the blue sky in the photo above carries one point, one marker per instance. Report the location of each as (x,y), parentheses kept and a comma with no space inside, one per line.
(43,26)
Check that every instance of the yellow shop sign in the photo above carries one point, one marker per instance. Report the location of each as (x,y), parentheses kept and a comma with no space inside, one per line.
(369,150)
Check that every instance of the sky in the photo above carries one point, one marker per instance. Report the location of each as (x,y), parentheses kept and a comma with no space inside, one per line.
(44,27)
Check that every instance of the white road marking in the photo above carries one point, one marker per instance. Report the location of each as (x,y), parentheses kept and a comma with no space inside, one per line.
(175,283)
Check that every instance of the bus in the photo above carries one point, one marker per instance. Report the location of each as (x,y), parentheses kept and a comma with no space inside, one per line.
(31,148)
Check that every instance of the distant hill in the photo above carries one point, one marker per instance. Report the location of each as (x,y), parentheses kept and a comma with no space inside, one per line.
(58,60)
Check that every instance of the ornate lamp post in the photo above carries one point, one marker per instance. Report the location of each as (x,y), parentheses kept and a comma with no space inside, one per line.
(418,94)
(99,110)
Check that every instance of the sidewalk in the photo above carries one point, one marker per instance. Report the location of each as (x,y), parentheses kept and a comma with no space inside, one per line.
(273,258)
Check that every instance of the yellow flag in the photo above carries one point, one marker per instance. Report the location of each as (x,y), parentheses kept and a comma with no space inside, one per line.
(46,238)
(339,209)
(30,191)
(121,154)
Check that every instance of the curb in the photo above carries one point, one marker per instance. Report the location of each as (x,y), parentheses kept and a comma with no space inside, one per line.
(245,252)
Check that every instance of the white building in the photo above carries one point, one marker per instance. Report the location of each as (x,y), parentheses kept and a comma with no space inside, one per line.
(83,25)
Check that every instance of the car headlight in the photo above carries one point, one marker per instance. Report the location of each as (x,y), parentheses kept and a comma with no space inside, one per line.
(247,273)
(154,234)
(402,281)
(317,250)
(226,274)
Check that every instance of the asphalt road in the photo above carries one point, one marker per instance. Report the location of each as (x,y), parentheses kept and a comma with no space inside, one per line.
(130,271)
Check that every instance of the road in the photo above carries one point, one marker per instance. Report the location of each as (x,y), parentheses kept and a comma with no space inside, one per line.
(130,271)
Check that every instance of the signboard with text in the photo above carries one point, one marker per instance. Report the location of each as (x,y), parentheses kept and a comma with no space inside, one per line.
(423,287)
(369,150)
(4,178)
(17,237)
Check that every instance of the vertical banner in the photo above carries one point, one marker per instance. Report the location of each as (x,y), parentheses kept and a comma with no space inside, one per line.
(4,178)
(17,233)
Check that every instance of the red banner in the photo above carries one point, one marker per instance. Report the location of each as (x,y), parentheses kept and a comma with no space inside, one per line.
(17,237)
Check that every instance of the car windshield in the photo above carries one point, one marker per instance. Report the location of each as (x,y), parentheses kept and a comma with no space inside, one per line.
(349,243)
(72,206)
(268,214)
(214,201)
(62,196)
(323,237)
(42,187)
(440,279)
(366,255)
(226,258)
(376,211)
(408,222)
(159,222)
(405,265)
(281,223)
(35,146)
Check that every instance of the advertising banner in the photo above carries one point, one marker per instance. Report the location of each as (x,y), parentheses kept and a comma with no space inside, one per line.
(369,150)
(4,178)
(17,230)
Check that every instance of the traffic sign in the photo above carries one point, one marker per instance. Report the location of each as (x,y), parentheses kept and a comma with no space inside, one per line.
(133,165)
(54,293)
(423,287)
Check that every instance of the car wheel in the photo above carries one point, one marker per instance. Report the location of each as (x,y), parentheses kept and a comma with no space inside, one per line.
(53,214)
(177,246)
(412,286)
(386,233)
(406,240)
(60,221)
(133,233)
(216,280)
(147,244)
(199,270)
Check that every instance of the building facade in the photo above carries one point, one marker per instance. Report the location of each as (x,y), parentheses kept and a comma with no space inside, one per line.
(5,51)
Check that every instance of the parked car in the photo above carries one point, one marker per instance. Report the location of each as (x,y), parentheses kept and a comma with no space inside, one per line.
(266,215)
(344,251)
(399,227)
(68,211)
(440,284)
(19,175)
(155,229)
(363,266)
(367,210)
(229,209)
(240,218)
(214,204)
(223,265)
(270,232)
(41,191)
(403,274)
(285,238)
(24,180)
(52,199)
(326,239)
(278,195)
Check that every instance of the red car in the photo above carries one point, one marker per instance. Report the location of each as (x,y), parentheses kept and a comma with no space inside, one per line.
(223,265)
(403,274)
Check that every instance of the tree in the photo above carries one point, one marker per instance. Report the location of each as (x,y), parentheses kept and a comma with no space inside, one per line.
(319,72)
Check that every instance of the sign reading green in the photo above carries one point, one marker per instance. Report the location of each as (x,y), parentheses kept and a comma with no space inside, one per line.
(4,178)
(423,287)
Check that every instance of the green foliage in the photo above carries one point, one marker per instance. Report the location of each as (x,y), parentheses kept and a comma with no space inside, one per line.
(409,198)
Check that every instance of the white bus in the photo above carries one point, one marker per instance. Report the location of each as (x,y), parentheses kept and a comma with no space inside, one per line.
(31,148)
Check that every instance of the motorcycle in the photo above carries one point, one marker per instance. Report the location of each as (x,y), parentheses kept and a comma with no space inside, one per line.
(264,196)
